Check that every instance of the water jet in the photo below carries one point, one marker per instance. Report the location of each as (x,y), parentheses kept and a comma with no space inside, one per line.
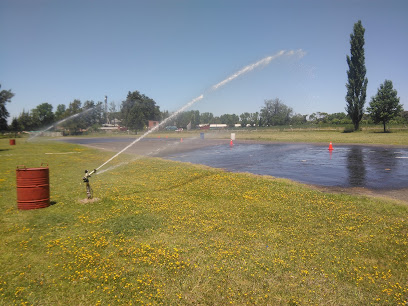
(263,62)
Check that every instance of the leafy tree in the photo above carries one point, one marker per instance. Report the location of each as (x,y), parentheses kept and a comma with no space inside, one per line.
(15,125)
(254,119)
(60,112)
(113,113)
(193,116)
(25,121)
(137,109)
(340,118)
(76,123)
(73,108)
(245,118)
(216,120)
(206,118)
(164,114)
(385,105)
(323,117)
(319,117)
(195,120)
(94,115)
(5,96)
(315,117)
(298,119)
(404,115)
(90,114)
(184,118)
(88,104)
(249,118)
(275,112)
(357,82)
(42,115)
(98,114)
(229,119)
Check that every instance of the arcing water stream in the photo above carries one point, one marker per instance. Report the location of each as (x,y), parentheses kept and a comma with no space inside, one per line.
(263,62)
(62,121)
(153,129)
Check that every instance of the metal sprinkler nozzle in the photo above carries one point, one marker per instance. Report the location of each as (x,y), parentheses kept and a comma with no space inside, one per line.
(86,181)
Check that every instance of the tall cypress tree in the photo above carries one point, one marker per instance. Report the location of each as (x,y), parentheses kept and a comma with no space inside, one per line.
(357,82)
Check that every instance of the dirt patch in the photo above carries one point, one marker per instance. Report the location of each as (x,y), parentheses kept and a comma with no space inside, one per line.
(87,201)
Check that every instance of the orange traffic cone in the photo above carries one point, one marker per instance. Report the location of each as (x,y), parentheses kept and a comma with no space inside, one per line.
(330,146)
(231,143)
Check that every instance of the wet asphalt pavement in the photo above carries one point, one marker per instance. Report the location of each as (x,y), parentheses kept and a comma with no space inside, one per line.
(372,167)
(345,166)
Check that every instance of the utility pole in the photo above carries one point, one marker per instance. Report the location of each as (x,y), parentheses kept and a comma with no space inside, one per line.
(106,110)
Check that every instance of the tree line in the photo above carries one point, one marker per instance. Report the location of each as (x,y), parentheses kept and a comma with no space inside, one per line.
(135,112)
(43,116)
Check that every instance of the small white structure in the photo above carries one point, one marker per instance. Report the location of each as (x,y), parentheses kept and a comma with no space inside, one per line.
(218,126)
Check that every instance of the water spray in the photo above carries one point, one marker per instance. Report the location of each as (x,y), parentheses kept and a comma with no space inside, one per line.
(62,121)
(263,62)
(152,153)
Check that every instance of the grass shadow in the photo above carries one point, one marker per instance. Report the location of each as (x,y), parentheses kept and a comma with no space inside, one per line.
(133,224)
(171,187)
(186,181)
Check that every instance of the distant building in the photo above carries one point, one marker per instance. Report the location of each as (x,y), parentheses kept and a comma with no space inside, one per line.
(152,124)
(204,126)
(218,126)
(212,126)
(113,127)
(109,127)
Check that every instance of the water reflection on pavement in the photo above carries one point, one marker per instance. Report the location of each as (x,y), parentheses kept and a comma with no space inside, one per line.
(346,166)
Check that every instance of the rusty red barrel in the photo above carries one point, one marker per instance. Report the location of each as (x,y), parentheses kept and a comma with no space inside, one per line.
(33,187)
(12,142)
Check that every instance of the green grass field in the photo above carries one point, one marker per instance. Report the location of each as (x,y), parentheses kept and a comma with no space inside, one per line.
(164,232)
(372,136)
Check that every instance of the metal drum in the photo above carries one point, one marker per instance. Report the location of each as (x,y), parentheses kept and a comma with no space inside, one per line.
(33,187)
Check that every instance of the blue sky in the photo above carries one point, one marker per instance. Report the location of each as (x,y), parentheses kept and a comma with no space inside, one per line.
(172,51)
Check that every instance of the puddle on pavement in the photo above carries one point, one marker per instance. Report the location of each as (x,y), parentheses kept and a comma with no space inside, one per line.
(345,166)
